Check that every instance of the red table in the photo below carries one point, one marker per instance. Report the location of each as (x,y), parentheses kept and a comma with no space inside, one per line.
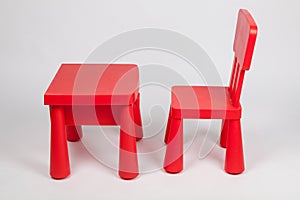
(94,94)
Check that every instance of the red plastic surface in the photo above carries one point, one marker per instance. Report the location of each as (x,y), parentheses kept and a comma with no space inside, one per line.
(59,157)
(94,94)
(203,102)
(210,102)
(86,84)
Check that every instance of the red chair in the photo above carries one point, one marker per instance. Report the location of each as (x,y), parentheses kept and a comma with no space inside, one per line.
(214,102)
(94,94)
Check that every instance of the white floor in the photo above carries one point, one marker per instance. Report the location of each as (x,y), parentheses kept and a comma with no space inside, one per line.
(272,168)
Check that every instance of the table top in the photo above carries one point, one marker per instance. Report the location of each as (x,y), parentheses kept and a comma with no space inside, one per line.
(93,84)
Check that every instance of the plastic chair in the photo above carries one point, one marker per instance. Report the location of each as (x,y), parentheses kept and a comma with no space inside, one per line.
(213,102)
(94,94)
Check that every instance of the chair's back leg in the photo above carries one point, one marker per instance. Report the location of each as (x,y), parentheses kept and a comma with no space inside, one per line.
(234,161)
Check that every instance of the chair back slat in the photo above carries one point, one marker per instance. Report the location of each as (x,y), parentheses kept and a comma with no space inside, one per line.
(243,47)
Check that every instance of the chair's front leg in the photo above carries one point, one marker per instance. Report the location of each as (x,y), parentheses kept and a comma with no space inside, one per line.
(59,158)
(173,162)
(128,163)
(167,134)
(74,133)
(234,161)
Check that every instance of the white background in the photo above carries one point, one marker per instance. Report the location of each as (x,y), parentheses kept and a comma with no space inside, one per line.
(36,37)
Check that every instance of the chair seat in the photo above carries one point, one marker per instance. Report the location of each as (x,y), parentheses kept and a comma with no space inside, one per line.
(205,102)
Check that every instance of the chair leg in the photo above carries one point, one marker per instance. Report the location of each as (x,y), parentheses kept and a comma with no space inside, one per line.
(74,133)
(234,161)
(173,162)
(59,158)
(137,119)
(128,163)
(224,133)
(167,134)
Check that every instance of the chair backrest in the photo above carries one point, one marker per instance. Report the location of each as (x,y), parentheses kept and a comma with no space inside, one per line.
(244,42)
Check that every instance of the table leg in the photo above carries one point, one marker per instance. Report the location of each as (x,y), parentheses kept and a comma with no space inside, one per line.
(138,119)
(74,133)
(59,158)
(128,163)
